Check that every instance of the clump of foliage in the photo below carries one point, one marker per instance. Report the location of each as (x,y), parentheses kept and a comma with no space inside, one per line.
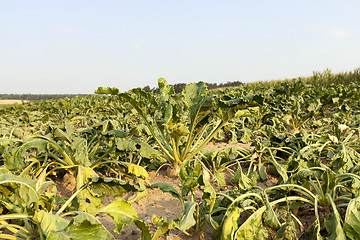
(298,178)
(180,123)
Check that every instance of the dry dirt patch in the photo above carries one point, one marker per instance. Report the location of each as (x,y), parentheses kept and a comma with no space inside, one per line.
(6,102)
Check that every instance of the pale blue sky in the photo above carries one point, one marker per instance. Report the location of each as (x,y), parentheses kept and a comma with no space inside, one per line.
(75,46)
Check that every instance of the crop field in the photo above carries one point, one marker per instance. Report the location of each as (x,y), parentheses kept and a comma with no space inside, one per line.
(5,102)
(266,160)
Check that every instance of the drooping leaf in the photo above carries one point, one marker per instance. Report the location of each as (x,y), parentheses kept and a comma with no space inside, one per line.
(14,160)
(50,222)
(188,220)
(345,158)
(145,230)
(333,224)
(137,170)
(20,191)
(281,169)
(209,192)
(86,230)
(243,181)
(230,224)
(82,226)
(247,134)
(253,228)
(262,171)
(111,186)
(270,217)
(87,200)
(121,212)
(164,226)
(81,156)
(82,230)
(352,219)
(287,231)
(220,178)
(147,151)
(166,187)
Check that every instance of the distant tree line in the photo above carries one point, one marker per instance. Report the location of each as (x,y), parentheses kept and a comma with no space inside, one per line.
(37,96)
(178,87)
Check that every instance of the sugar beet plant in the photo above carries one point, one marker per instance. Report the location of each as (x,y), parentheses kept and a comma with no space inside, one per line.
(180,124)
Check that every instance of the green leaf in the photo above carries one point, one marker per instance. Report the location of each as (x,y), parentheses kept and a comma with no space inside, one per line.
(122,213)
(87,200)
(115,133)
(147,151)
(188,220)
(126,145)
(50,222)
(194,93)
(165,90)
(230,224)
(220,178)
(164,226)
(145,230)
(166,187)
(333,224)
(253,228)
(20,191)
(262,171)
(112,91)
(83,230)
(14,159)
(82,226)
(352,219)
(228,106)
(196,100)
(137,170)
(81,156)
(179,130)
(111,186)
(241,179)
(270,217)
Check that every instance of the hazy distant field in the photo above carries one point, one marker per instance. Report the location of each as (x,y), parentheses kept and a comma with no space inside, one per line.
(3,102)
